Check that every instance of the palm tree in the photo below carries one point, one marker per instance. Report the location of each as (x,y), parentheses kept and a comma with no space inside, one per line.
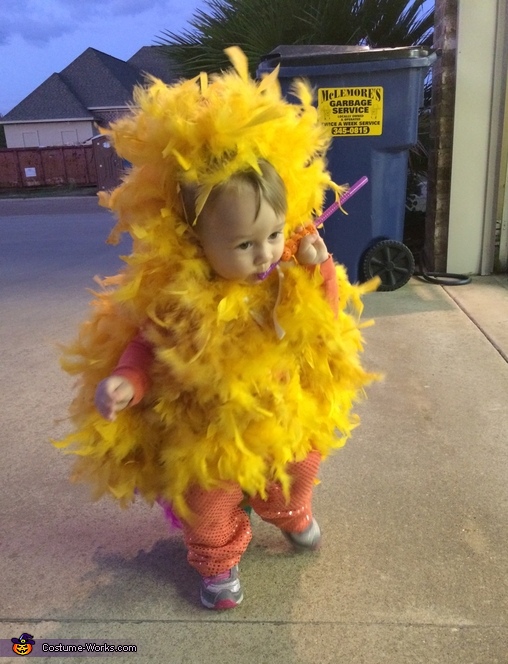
(258,26)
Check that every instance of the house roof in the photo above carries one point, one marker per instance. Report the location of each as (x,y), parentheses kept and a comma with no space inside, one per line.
(152,60)
(100,80)
(40,104)
(94,80)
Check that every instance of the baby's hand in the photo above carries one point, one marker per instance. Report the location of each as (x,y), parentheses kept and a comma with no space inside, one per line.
(112,395)
(312,250)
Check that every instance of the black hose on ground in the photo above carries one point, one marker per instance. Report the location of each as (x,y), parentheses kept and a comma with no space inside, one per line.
(439,278)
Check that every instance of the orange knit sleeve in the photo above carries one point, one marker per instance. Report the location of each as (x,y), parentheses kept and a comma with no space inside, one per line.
(330,284)
(134,365)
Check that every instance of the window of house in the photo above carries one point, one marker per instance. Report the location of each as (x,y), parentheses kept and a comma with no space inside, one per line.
(69,137)
(31,139)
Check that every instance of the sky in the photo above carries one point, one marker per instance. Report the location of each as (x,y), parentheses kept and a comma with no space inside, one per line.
(40,37)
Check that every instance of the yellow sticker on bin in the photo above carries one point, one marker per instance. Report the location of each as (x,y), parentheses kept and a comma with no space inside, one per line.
(352,111)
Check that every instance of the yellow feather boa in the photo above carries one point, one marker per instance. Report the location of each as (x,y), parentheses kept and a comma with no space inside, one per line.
(230,399)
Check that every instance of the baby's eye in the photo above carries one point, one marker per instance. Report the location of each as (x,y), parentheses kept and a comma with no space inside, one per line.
(275,235)
(244,245)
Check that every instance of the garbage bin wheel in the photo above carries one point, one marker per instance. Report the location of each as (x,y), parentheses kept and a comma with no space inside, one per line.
(391,261)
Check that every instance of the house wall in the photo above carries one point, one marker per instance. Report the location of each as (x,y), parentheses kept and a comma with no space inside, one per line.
(478,122)
(42,134)
(502,202)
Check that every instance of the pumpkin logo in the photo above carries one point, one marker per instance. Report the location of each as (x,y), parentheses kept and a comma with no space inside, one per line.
(23,645)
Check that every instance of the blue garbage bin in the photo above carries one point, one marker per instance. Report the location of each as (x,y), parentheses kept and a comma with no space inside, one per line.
(369,99)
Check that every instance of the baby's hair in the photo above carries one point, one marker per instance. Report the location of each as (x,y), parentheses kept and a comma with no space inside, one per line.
(267,185)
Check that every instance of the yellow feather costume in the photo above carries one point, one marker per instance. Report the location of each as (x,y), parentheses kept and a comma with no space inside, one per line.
(230,398)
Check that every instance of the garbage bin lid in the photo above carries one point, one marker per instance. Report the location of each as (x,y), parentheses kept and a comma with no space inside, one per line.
(322,54)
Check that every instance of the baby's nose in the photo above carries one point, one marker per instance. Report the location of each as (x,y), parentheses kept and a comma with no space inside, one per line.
(262,254)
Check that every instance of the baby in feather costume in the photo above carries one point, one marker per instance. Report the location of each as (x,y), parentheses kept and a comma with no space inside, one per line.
(203,384)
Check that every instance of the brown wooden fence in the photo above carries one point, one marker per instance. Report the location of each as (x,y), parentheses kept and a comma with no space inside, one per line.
(52,166)
(110,167)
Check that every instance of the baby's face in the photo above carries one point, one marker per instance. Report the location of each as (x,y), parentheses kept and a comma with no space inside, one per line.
(239,244)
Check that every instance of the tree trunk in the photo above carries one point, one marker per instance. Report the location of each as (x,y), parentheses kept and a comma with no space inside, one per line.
(441,136)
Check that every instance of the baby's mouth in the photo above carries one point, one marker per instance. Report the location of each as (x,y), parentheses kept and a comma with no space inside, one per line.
(263,275)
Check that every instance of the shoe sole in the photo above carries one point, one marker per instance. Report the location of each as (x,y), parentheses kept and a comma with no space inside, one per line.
(222,604)
(302,548)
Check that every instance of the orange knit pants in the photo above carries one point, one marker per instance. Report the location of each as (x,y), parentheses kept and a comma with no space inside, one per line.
(221,532)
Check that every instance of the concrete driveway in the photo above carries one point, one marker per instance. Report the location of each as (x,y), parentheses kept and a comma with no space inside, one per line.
(414,563)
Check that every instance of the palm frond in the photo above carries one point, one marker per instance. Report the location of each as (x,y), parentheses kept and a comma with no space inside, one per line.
(258,26)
